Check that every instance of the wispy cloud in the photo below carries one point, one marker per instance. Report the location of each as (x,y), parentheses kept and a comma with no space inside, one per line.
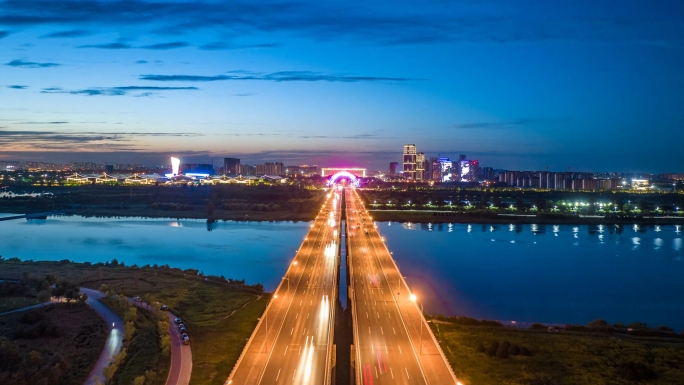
(219,45)
(17,87)
(141,62)
(67,34)
(124,45)
(117,45)
(282,76)
(57,122)
(244,94)
(494,21)
(29,64)
(115,91)
(165,46)
(74,140)
(495,125)
(4,34)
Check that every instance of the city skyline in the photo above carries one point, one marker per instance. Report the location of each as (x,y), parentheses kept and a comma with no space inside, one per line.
(594,87)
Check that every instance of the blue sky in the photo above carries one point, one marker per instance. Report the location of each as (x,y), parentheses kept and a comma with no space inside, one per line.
(595,86)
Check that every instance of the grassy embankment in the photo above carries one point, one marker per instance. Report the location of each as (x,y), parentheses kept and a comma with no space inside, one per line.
(54,345)
(418,216)
(489,354)
(219,315)
(243,203)
(483,205)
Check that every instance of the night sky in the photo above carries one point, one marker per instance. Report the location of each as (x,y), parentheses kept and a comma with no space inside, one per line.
(592,85)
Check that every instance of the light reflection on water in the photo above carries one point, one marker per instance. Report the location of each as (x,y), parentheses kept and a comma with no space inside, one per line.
(258,252)
(619,273)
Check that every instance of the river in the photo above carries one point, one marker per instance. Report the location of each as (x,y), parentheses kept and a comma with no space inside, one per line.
(526,273)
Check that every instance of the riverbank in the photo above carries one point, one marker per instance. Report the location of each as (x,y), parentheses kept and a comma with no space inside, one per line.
(219,314)
(418,216)
(488,353)
(193,213)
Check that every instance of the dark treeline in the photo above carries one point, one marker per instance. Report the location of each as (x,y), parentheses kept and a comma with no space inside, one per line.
(176,198)
(540,201)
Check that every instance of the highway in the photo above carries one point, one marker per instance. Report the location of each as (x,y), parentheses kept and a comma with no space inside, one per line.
(392,339)
(292,343)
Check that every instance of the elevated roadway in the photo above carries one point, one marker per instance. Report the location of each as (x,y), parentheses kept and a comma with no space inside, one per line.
(392,341)
(293,341)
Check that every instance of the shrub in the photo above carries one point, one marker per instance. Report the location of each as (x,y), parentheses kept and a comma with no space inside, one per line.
(598,323)
(491,350)
(502,350)
(636,371)
(537,326)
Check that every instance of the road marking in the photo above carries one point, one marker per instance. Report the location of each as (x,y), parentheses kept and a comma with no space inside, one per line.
(381,330)
(392,372)
(300,302)
(395,332)
(376,371)
(296,315)
(366,314)
(373,348)
(307,315)
(304,332)
(291,331)
(389,315)
(295,373)
(369,331)
(400,352)
(278,375)
(407,375)
(386,351)
(285,351)
(378,314)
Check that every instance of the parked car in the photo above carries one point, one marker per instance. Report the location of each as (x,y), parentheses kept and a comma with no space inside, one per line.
(137,299)
(164,307)
(184,335)
(183,330)
(186,340)
(177,320)
(180,326)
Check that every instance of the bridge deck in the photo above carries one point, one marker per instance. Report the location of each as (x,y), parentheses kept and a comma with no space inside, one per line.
(394,344)
(292,343)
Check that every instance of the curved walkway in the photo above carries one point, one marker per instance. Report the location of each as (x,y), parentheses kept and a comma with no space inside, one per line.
(114,340)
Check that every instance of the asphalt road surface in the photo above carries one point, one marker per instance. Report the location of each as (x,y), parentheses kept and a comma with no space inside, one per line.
(181,354)
(392,340)
(293,341)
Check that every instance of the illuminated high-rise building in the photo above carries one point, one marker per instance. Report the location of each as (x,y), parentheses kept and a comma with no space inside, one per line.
(410,161)
(420,167)
(445,170)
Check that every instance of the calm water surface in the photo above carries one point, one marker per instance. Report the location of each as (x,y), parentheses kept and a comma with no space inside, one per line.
(555,274)
(258,252)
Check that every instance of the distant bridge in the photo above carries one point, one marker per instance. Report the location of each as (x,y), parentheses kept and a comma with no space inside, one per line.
(334,170)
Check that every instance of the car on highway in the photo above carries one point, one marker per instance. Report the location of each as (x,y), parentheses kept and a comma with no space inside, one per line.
(164,307)
(178,321)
